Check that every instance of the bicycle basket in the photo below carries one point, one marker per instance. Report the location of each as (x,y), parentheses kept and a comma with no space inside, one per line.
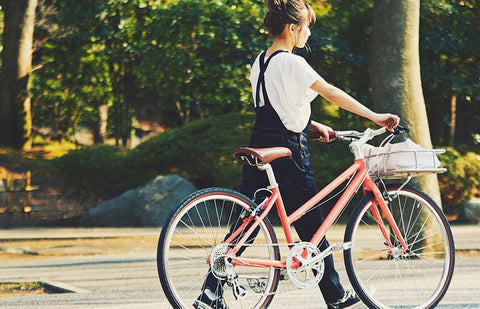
(401,160)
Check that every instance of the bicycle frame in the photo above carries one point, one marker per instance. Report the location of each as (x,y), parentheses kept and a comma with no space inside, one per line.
(358,170)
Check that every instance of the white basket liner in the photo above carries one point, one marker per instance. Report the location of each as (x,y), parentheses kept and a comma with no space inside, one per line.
(402,160)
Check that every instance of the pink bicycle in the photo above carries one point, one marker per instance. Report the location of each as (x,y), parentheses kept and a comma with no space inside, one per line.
(398,248)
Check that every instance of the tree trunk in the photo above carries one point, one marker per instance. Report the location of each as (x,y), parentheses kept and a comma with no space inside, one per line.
(15,112)
(395,73)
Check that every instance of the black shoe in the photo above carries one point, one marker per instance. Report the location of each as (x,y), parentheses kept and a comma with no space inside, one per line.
(205,302)
(350,300)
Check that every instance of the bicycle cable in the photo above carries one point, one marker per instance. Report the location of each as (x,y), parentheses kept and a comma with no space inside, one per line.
(333,197)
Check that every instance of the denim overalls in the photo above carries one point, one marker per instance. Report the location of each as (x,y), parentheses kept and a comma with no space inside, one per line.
(294,176)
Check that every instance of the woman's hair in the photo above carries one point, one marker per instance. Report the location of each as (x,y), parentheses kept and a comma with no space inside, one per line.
(282,12)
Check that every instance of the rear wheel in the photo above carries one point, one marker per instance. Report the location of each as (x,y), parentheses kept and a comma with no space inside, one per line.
(193,236)
(385,277)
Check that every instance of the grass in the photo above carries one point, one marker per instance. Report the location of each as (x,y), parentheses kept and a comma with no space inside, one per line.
(11,289)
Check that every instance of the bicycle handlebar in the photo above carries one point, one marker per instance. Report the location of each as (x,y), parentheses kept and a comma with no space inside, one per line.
(359,138)
(344,135)
(351,135)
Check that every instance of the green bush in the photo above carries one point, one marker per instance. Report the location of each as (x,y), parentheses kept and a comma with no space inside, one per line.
(461,182)
(95,171)
(201,151)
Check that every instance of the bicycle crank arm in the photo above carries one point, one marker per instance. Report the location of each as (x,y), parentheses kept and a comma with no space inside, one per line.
(330,250)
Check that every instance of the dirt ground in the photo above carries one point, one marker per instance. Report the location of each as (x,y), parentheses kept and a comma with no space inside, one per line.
(29,250)
(26,250)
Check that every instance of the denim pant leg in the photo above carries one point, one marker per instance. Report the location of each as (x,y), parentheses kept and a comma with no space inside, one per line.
(297,186)
(306,226)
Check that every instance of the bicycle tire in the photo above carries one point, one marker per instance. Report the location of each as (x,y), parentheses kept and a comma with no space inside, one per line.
(386,278)
(198,225)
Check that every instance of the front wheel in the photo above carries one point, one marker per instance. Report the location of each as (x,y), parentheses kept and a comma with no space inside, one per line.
(388,277)
(193,236)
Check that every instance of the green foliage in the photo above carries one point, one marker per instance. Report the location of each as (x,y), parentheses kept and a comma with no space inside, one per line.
(74,78)
(95,172)
(461,182)
(201,151)
(340,46)
(449,63)
(197,56)
(191,59)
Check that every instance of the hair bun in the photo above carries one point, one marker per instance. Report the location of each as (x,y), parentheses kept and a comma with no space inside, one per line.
(275,5)
(282,12)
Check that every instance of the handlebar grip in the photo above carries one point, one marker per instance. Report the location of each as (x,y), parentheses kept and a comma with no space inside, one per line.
(391,122)
(316,135)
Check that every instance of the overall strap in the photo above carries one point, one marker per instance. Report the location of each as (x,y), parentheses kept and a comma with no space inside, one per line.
(261,78)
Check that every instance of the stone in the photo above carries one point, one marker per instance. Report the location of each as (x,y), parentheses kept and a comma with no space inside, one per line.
(470,212)
(147,206)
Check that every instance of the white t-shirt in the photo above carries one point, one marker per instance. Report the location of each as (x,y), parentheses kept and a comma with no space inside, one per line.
(287,80)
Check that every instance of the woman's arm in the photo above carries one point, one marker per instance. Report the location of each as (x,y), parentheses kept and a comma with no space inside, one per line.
(345,101)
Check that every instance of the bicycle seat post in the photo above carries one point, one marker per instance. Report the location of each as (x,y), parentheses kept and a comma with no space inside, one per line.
(271,176)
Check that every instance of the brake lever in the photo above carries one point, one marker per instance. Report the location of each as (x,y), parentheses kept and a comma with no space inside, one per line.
(400,130)
(345,139)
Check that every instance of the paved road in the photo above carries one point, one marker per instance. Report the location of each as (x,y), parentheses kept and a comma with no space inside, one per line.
(129,280)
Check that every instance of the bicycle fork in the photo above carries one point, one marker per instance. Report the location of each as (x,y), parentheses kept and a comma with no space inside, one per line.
(381,202)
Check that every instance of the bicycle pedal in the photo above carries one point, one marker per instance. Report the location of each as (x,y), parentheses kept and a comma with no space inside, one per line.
(200,305)
(257,285)
(341,246)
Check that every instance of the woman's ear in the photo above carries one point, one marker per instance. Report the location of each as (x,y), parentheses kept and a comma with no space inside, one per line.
(289,27)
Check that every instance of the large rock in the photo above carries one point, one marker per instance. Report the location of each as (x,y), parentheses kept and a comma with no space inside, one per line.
(146,206)
(470,212)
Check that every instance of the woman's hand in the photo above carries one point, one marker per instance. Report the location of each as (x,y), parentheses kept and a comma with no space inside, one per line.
(389,121)
(317,127)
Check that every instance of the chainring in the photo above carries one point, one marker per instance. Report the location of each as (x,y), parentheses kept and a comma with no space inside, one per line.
(307,274)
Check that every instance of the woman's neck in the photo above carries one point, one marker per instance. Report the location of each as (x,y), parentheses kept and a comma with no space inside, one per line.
(279,44)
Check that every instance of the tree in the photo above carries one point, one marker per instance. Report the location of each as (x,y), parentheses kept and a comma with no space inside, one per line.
(450,71)
(73,86)
(395,72)
(197,56)
(15,111)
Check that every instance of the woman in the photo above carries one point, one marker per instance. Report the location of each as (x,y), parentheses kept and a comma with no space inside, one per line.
(283,86)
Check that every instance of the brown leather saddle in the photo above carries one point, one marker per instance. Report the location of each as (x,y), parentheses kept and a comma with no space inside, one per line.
(257,156)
